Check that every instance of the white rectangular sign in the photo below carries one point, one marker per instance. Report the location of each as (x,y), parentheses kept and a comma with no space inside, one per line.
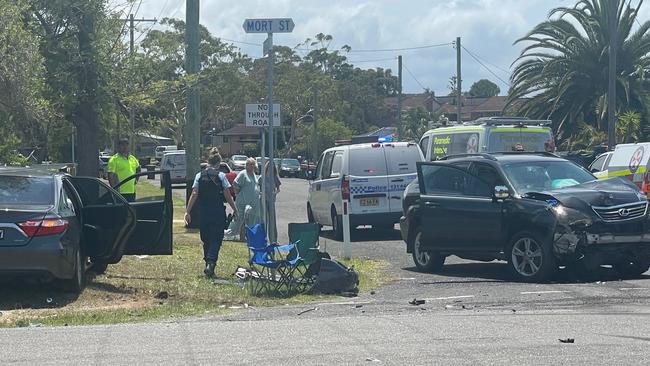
(257,115)
(273,25)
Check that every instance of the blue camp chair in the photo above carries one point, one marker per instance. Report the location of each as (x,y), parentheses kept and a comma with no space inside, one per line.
(271,272)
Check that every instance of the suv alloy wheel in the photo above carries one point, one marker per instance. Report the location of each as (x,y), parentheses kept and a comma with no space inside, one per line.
(426,261)
(530,259)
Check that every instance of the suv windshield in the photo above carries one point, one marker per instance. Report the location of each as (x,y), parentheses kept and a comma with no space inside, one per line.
(545,175)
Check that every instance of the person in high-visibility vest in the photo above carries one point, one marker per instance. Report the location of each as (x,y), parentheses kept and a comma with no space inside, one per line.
(121,166)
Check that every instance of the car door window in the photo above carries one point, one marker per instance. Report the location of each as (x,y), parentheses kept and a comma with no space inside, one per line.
(598,164)
(66,207)
(484,180)
(326,172)
(337,164)
(444,179)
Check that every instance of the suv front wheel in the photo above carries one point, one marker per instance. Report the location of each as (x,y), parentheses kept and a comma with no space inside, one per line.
(426,261)
(530,258)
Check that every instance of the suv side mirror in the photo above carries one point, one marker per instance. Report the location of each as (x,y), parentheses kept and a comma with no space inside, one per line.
(501,192)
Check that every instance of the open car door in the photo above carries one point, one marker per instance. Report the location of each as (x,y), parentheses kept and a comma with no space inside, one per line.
(106,217)
(154,213)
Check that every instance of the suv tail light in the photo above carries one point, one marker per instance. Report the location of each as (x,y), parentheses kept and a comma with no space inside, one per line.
(345,188)
(45,227)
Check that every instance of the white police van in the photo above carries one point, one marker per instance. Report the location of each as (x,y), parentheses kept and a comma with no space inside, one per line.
(372,176)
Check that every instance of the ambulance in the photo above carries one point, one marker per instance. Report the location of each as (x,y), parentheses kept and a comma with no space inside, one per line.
(488,134)
(627,160)
(372,176)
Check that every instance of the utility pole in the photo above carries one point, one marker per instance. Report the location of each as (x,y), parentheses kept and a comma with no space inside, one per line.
(611,87)
(192,112)
(459,101)
(399,96)
(131,19)
(316,154)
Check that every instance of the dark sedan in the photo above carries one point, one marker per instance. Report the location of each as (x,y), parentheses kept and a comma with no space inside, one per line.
(56,226)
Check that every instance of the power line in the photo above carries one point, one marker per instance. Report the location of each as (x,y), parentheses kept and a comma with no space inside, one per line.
(242,42)
(375,60)
(403,49)
(413,76)
(486,68)
(487,62)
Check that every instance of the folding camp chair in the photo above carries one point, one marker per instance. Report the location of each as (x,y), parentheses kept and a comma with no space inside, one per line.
(304,257)
(270,275)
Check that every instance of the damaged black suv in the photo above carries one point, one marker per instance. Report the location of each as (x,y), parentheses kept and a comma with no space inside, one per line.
(536,211)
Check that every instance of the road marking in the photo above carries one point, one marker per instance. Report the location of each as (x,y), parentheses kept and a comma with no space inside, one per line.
(542,292)
(633,288)
(406,279)
(449,297)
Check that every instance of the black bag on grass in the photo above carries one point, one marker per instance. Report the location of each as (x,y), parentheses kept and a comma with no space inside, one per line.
(335,278)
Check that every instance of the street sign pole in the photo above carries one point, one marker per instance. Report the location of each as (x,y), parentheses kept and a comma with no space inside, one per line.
(271,227)
(269,26)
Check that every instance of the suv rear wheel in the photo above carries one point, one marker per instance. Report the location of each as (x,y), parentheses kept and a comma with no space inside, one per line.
(426,261)
(530,259)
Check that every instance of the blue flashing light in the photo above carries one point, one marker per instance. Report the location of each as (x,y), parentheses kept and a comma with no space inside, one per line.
(387,138)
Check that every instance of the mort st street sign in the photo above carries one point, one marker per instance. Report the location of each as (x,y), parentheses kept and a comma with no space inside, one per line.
(272,25)
(257,115)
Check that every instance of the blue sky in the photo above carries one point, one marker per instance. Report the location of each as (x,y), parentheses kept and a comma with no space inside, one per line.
(488,29)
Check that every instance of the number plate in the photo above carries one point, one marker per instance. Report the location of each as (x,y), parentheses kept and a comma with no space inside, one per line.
(2,234)
(369,202)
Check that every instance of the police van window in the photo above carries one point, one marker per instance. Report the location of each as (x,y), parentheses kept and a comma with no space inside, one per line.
(319,167)
(367,162)
(327,165)
(424,144)
(447,180)
(337,164)
(402,159)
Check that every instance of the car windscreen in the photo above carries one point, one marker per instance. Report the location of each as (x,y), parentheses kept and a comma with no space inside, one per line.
(546,175)
(27,191)
(367,162)
(515,139)
(291,162)
(239,158)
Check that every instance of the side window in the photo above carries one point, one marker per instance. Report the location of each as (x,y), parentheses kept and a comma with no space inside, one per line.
(93,192)
(319,167)
(440,146)
(66,207)
(445,179)
(327,165)
(424,144)
(598,164)
(337,164)
(486,179)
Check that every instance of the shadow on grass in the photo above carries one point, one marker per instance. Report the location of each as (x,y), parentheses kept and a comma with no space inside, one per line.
(25,294)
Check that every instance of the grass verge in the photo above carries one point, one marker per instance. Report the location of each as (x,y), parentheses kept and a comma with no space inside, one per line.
(156,287)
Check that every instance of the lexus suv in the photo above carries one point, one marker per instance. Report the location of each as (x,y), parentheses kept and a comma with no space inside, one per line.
(535,211)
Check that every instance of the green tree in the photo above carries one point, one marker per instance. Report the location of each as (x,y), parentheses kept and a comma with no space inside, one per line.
(484,88)
(564,67)
(628,127)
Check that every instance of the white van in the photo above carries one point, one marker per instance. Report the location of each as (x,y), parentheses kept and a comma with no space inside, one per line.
(175,162)
(488,134)
(630,161)
(372,176)
(161,150)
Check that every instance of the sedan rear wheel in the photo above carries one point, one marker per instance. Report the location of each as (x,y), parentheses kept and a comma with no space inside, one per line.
(77,283)
(530,259)
(426,261)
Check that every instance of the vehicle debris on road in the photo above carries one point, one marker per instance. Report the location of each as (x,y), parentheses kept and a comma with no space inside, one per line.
(307,311)
(567,340)
(417,302)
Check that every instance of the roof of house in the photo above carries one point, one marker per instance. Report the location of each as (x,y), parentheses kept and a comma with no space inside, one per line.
(410,101)
(240,130)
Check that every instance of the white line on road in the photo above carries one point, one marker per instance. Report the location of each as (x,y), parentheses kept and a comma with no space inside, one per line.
(542,292)
(633,288)
(449,297)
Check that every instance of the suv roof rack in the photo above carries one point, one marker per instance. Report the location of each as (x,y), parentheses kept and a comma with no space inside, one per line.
(502,121)
(457,156)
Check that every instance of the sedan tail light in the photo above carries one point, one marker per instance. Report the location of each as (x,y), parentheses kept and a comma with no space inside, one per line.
(45,227)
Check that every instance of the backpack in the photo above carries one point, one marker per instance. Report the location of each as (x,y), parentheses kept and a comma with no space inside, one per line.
(335,278)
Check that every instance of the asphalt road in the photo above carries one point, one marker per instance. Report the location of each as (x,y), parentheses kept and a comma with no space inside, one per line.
(473,314)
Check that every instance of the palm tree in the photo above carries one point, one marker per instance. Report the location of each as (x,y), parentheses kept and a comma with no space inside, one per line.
(564,67)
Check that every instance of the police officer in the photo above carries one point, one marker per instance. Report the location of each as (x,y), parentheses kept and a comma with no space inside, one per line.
(211,189)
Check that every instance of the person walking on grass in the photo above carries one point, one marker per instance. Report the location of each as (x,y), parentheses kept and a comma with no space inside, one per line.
(121,166)
(211,190)
(248,194)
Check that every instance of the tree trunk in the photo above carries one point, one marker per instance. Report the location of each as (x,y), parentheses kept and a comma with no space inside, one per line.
(86,118)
